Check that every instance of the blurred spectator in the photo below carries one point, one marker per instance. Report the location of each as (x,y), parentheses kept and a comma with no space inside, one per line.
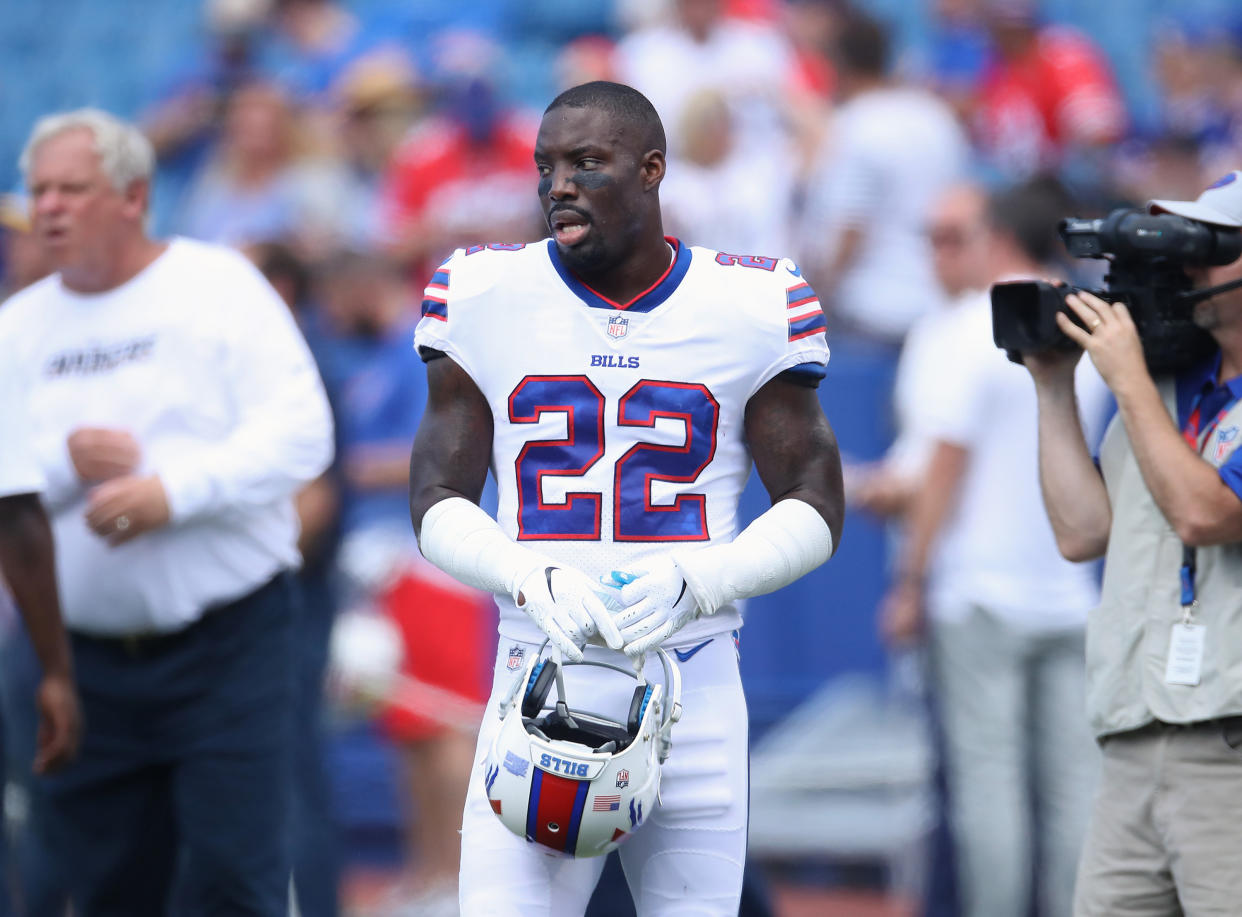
(175,410)
(1199,72)
(1162,164)
(256,186)
(811,26)
(309,42)
(1049,93)
(315,836)
(28,577)
(443,625)
(191,107)
(22,259)
(585,60)
(717,194)
(1004,611)
(377,100)
(750,63)
(462,176)
(959,51)
(957,232)
(26,863)
(893,150)
(183,120)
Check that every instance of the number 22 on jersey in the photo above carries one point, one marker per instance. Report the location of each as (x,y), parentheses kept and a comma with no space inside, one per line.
(635,516)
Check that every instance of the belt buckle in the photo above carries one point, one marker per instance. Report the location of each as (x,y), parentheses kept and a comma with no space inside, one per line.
(133,644)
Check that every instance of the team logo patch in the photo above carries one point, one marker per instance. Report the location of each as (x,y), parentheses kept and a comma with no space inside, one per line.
(516,655)
(623,778)
(618,326)
(515,765)
(1225,439)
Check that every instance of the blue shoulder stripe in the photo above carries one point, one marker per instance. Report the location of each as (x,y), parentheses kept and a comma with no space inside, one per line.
(805,327)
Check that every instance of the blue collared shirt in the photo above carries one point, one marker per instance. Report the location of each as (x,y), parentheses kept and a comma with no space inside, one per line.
(1197,385)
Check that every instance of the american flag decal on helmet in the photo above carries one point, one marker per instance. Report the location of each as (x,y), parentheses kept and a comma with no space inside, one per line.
(606,804)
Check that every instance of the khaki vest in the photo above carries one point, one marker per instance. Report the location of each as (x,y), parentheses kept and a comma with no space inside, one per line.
(1128,635)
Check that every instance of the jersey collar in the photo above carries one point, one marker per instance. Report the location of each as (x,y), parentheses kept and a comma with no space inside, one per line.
(645,301)
(1197,387)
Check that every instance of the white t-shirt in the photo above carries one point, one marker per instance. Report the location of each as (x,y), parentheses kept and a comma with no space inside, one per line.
(748,63)
(201,361)
(918,371)
(891,154)
(19,467)
(997,549)
(619,429)
(741,205)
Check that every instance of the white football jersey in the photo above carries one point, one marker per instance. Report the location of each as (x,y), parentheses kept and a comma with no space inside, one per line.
(619,428)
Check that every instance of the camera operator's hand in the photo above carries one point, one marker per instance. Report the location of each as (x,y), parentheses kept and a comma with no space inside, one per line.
(1110,338)
(1052,368)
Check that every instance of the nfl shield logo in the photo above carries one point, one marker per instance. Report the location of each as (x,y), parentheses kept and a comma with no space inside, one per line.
(1224,439)
(618,325)
(623,778)
(516,654)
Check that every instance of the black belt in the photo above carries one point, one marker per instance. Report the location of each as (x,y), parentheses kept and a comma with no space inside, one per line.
(153,642)
(1229,726)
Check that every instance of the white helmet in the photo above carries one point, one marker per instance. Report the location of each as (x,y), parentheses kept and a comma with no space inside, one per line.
(575,781)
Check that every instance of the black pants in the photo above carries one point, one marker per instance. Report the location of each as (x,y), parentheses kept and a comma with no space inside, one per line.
(179,800)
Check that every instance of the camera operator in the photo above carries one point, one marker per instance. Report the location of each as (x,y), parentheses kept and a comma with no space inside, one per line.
(1164,648)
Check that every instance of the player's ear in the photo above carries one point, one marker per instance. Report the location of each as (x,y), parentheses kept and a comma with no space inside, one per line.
(651,168)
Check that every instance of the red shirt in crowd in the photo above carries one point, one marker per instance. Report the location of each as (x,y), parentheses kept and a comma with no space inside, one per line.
(1059,93)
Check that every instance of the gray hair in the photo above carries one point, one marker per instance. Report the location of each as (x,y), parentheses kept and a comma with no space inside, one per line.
(125,154)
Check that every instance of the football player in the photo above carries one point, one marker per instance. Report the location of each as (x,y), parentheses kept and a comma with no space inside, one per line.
(619,384)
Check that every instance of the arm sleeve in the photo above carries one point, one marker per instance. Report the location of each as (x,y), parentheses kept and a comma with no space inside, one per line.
(282,437)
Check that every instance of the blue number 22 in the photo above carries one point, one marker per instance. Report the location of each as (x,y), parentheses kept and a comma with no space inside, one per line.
(635,516)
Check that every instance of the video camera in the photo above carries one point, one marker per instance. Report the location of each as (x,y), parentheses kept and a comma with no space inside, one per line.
(1147,256)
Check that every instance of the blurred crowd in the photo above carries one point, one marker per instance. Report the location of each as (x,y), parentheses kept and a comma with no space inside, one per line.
(348,152)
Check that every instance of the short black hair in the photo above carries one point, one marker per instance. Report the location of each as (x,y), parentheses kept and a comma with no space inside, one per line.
(862,45)
(1029,213)
(620,101)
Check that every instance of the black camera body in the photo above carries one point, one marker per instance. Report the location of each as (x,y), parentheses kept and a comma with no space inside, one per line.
(1148,256)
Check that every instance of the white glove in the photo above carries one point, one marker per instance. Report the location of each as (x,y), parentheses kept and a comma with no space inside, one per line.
(658,603)
(565,605)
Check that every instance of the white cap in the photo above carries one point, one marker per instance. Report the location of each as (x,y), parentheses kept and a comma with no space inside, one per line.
(1220,204)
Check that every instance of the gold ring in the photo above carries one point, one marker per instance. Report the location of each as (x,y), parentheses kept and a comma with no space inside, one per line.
(122,523)
(1095,324)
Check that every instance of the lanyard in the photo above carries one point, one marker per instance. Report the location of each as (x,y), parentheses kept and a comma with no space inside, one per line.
(1191,431)
(1196,442)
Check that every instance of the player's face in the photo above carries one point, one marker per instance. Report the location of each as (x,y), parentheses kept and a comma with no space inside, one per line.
(75,209)
(593,178)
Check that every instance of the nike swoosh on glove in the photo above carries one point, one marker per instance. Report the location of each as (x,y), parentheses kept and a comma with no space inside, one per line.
(658,603)
(565,606)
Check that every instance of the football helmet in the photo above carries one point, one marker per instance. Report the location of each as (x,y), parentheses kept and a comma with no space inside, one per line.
(575,781)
